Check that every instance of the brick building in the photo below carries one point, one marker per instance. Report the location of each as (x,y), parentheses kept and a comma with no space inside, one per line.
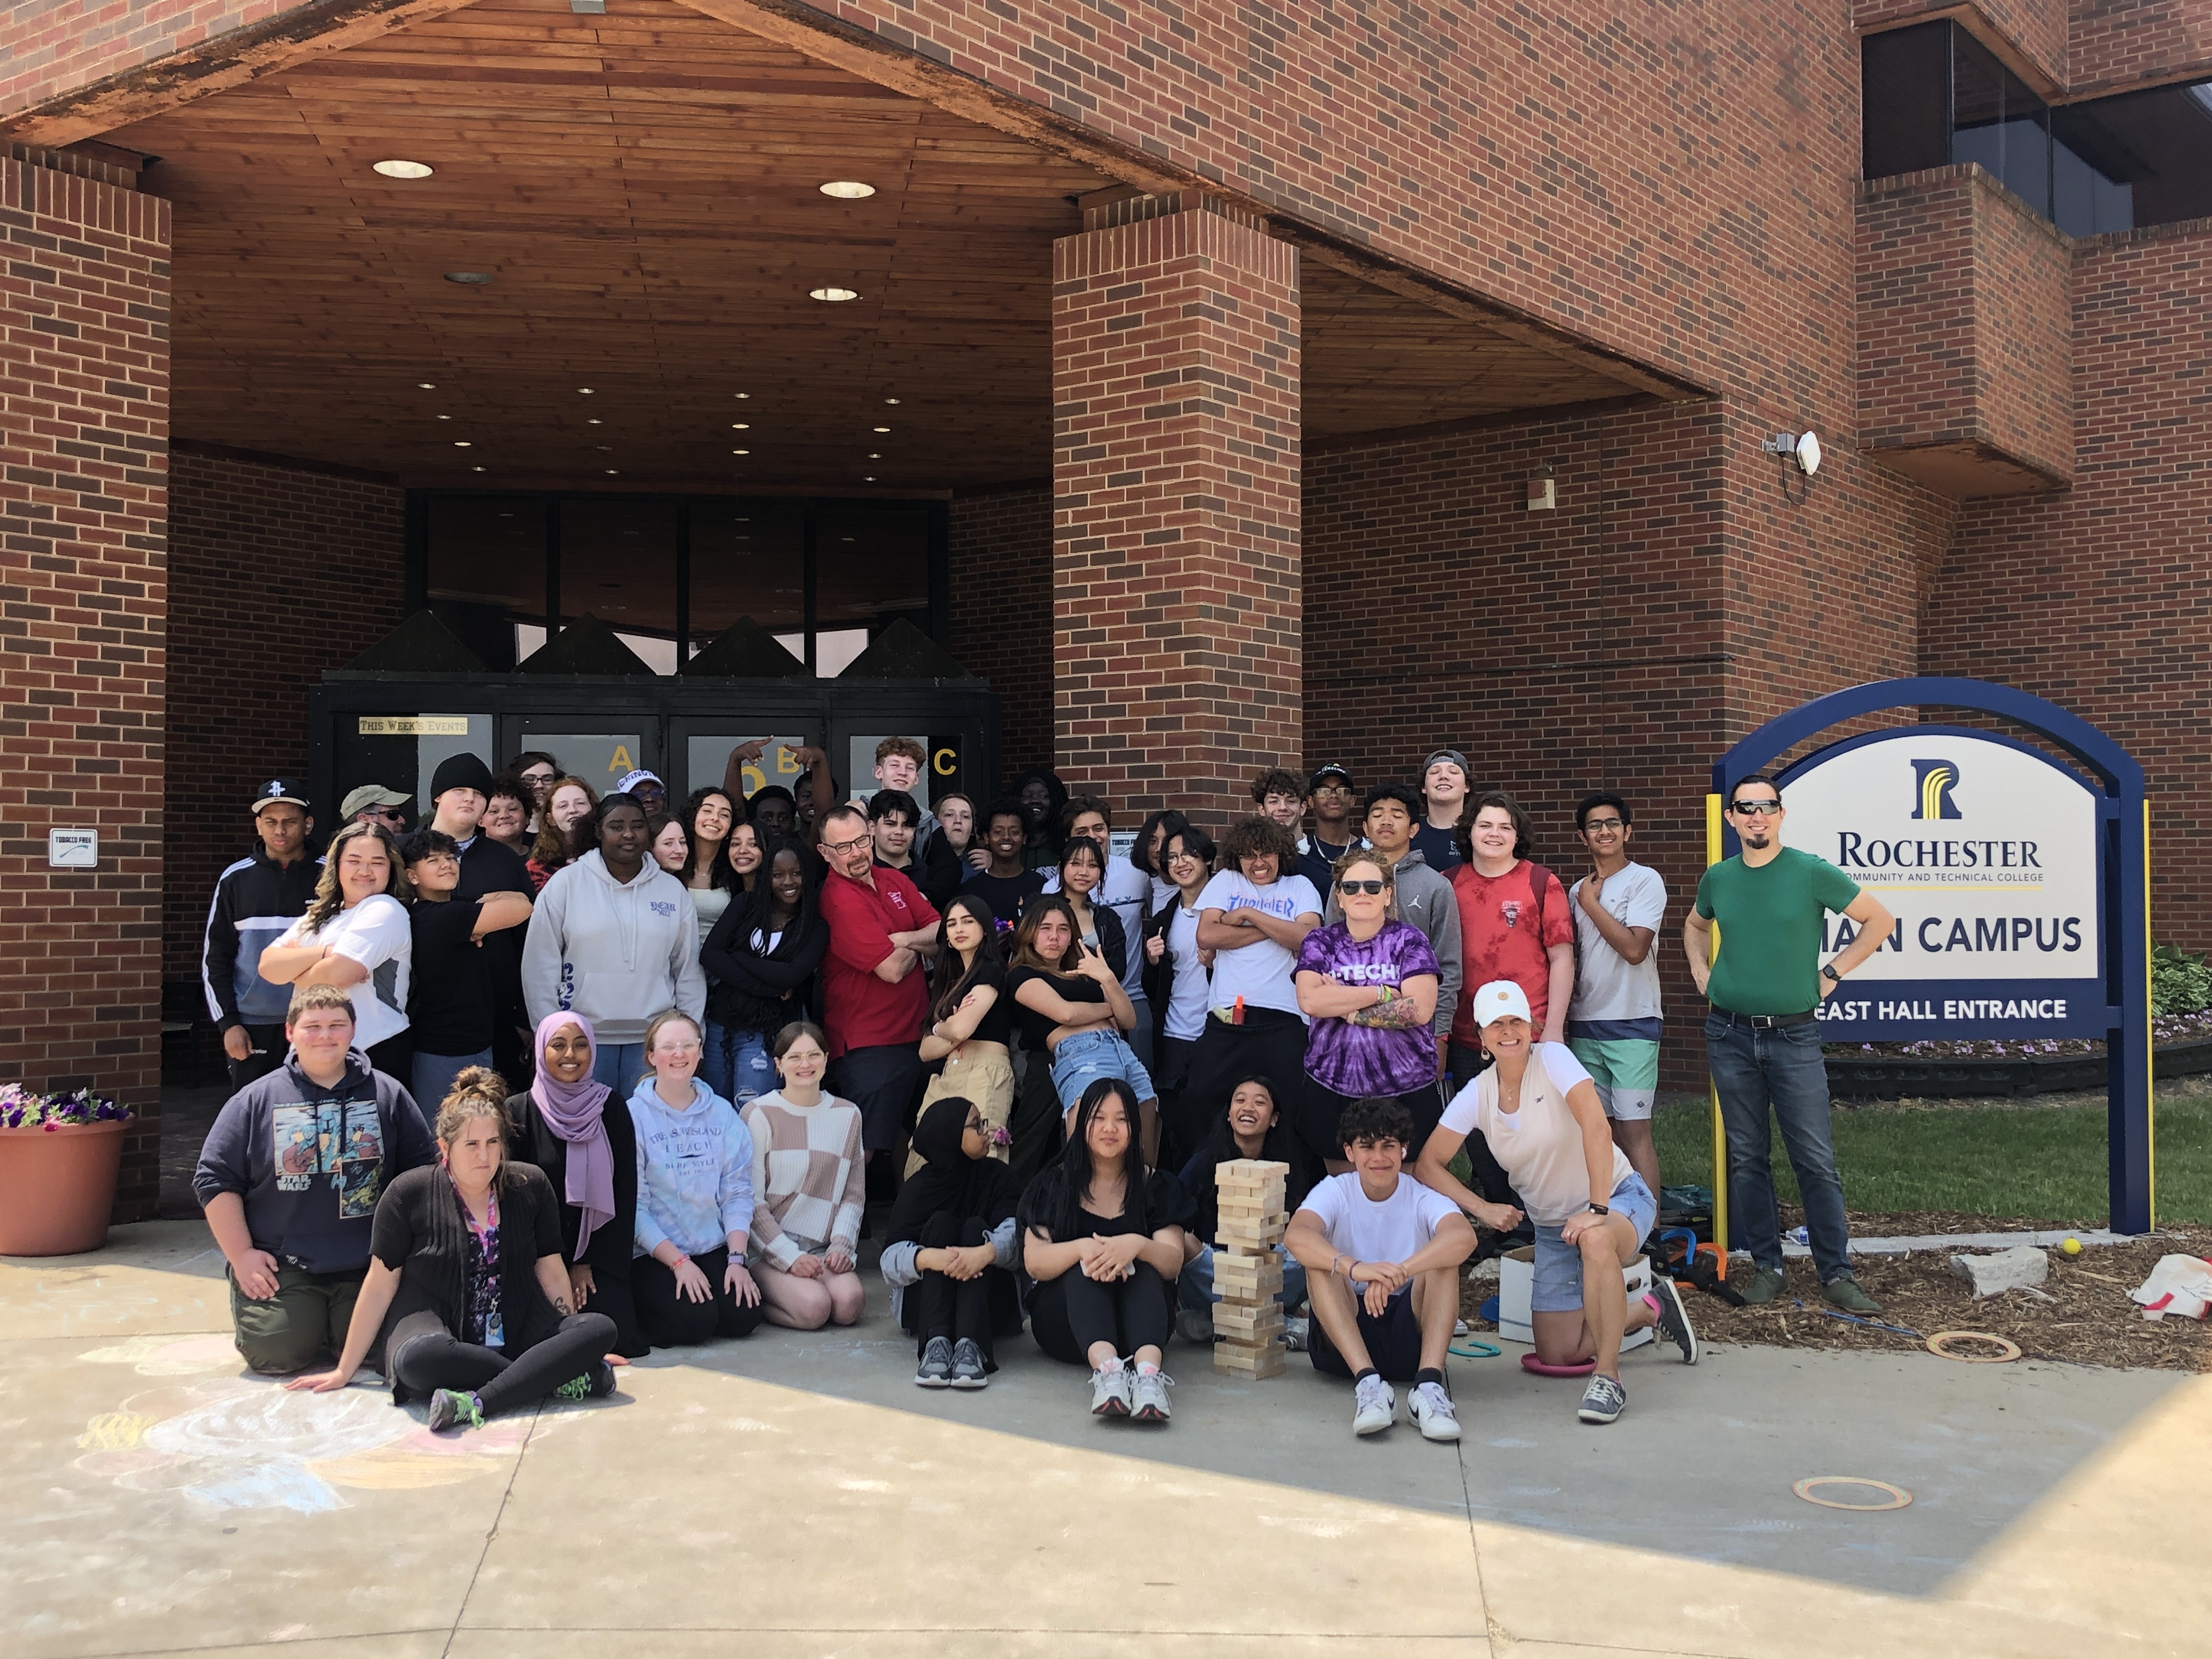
(1183,371)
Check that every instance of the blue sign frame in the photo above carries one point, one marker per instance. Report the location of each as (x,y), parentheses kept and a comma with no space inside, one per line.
(2123,880)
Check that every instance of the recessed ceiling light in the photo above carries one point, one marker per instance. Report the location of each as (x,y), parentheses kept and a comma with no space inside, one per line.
(610,473)
(428,385)
(741,425)
(833,296)
(403,169)
(741,452)
(871,478)
(883,428)
(605,448)
(469,278)
(593,421)
(744,394)
(845,189)
(445,417)
(890,400)
(462,443)
(585,390)
(475,468)
(875,454)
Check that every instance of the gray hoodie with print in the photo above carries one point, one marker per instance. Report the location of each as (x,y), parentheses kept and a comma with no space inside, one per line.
(617,952)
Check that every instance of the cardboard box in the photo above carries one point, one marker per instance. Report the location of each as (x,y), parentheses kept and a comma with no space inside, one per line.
(1516,1279)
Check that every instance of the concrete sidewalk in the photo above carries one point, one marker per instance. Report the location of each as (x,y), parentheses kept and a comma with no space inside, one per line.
(799,1495)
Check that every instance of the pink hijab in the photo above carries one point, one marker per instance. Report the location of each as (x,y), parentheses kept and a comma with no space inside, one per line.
(573,1109)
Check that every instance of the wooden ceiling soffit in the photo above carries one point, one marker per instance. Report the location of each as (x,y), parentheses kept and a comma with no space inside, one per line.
(216,64)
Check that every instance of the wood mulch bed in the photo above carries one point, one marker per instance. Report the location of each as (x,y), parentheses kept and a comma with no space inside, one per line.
(2088,1320)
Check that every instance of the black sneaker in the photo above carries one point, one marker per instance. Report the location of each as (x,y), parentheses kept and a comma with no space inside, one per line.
(968,1371)
(1674,1319)
(936,1368)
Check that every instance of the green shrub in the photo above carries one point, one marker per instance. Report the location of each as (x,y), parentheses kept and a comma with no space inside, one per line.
(2179,983)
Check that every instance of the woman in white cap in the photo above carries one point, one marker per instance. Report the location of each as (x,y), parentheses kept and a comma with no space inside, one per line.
(1539,1111)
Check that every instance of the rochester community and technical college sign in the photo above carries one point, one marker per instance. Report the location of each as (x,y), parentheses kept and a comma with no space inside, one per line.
(1986,853)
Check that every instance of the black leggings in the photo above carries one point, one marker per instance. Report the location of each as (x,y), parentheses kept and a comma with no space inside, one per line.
(941,1305)
(423,1356)
(667,1321)
(1070,1313)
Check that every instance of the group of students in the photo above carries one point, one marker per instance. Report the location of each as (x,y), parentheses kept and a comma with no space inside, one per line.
(744,1018)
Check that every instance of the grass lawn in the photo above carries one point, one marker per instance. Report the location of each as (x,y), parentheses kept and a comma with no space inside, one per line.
(2039,1163)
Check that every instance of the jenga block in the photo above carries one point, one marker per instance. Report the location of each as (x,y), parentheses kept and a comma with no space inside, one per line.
(1255,1235)
(1249,1324)
(1250,1172)
(1236,1359)
(1249,1288)
(1257,1210)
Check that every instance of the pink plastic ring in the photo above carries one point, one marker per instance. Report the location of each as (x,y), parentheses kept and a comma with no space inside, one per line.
(1530,1363)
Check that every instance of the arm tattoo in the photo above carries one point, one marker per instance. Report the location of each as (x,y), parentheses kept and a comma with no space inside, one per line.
(561,1306)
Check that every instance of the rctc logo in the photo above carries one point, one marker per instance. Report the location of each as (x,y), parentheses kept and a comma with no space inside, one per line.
(1932,782)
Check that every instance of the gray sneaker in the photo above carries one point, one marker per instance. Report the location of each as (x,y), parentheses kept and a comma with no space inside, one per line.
(936,1368)
(1762,1287)
(968,1368)
(1298,1332)
(1674,1318)
(1603,1401)
(1148,1397)
(1109,1392)
(1845,1291)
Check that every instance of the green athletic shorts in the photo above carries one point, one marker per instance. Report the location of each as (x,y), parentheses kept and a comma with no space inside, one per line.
(1626,1070)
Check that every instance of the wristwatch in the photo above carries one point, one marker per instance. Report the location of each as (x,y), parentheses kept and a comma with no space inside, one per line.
(1595,1208)
(1828,972)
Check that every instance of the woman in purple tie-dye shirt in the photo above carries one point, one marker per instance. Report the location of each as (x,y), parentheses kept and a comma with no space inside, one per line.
(1369,984)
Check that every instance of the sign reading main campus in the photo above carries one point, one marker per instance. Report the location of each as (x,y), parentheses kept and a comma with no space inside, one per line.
(1986,854)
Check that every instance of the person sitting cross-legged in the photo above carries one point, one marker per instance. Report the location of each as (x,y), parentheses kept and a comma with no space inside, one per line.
(466,1301)
(1539,1111)
(949,1253)
(1381,1254)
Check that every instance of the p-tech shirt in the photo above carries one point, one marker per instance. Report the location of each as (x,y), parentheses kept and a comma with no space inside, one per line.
(1367,1060)
(860,1011)
(1499,937)
(1392,1230)
(1263,972)
(1771,919)
(375,933)
(1613,997)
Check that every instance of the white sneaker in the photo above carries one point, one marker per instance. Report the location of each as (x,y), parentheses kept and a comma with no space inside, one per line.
(1431,1408)
(1374,1407)
(1148,1397)
(1110,1393)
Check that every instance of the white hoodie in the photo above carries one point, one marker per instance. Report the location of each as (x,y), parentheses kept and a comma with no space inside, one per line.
(616,952)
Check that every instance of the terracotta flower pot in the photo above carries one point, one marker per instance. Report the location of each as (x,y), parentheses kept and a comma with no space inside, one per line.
(57,1187)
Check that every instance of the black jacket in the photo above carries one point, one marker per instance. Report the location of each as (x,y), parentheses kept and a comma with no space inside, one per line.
(755,993)
(256,901)
(422,1232)
(1160,977)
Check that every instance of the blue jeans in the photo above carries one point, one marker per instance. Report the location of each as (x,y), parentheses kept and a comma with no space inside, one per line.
(736,1064)
(619,1065)
(1195,1285)
(1080,1061)
(434,1076)
(1782,1068)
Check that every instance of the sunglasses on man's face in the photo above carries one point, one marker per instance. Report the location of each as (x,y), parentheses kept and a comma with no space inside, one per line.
(1369,887)
(1756,808)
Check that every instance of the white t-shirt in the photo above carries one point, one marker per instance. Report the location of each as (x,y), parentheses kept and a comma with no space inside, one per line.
(1389,1232)
(1123,891)
(375,933)
(1607,986)
(1538,1146)
(1187,1007)
(1263,973)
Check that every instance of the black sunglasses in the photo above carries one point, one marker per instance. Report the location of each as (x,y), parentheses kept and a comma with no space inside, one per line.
(1756,807)
(1360,886)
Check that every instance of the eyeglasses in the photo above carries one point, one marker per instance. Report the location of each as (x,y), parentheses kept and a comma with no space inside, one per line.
(1360,886)
(1756,808)
(975,1124)
(1602,824)
(390,812)
(842,847)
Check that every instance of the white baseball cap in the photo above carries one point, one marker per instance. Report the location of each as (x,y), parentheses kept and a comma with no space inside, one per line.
(1501,999)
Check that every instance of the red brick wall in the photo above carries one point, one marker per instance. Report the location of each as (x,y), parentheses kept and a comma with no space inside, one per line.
(1965,329)
(1001,620)
(1176,508)
(53,46)
(2101,600)
(2117,43)
(277,572)
(84,405)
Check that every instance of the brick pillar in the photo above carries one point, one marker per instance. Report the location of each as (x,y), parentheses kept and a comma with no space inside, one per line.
(84,409)
(1175,563)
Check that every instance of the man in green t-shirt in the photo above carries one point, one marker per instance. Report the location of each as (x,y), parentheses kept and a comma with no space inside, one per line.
(1763,1033)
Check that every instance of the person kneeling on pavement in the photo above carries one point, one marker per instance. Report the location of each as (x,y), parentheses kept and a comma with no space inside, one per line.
(1538,1111)
(1382,1253)
(466,1301)
(289,1177)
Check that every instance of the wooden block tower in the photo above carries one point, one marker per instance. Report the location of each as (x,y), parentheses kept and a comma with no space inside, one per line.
(1248,1321)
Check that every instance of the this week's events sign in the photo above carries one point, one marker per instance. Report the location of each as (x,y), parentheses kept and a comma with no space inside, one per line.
(1986,854)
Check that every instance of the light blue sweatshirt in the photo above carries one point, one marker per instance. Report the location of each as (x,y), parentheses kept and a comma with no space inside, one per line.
(695,1170)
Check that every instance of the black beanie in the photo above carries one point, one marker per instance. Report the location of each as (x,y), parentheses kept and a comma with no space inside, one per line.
(461,772)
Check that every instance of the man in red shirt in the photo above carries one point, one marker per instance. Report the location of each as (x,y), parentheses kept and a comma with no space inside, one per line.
(875,994)
(1514,923)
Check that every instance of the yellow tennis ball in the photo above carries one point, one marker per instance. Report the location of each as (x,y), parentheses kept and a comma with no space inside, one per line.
(2069,1245)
